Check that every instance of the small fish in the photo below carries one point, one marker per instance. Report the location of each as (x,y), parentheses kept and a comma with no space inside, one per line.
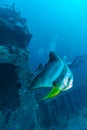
(55,74)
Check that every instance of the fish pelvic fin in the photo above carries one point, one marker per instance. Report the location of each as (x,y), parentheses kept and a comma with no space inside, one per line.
(54,92)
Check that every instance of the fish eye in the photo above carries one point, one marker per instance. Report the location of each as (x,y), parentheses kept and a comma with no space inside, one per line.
(69,78)
(54,83)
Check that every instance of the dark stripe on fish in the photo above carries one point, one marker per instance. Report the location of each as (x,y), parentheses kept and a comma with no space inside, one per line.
(61,76)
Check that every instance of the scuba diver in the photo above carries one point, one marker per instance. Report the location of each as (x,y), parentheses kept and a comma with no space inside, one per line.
(76,62)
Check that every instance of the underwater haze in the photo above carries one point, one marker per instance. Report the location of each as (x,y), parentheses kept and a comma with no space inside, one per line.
(56,25)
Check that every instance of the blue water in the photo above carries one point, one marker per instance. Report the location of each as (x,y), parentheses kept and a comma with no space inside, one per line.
(56,25)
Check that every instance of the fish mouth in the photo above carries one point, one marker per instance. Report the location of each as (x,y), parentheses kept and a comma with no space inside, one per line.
(32,86)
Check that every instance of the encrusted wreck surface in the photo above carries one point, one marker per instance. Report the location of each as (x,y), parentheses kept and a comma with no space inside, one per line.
(13,28)
(17,103)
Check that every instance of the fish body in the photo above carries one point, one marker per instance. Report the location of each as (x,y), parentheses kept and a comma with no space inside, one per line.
(55,74)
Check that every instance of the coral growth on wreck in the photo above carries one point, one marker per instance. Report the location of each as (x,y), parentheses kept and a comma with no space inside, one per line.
(17,102)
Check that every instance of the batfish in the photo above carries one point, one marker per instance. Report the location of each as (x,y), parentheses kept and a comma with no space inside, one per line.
(55,74)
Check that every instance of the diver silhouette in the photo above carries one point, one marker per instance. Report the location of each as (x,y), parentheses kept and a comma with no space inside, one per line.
(76,62)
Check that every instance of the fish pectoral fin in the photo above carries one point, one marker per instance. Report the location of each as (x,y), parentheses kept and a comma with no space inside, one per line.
(54,92)
(39,68)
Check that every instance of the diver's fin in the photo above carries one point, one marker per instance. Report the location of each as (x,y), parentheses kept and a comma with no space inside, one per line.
(53,57)
(54,92)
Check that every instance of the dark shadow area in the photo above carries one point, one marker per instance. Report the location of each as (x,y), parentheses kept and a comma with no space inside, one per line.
(9,98)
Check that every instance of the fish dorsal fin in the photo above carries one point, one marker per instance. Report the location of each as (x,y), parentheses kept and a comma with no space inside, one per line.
(53,57)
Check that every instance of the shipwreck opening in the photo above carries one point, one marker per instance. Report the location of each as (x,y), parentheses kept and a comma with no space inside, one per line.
(9,97)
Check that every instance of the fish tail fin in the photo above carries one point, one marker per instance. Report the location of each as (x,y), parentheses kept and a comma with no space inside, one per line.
(54,92)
